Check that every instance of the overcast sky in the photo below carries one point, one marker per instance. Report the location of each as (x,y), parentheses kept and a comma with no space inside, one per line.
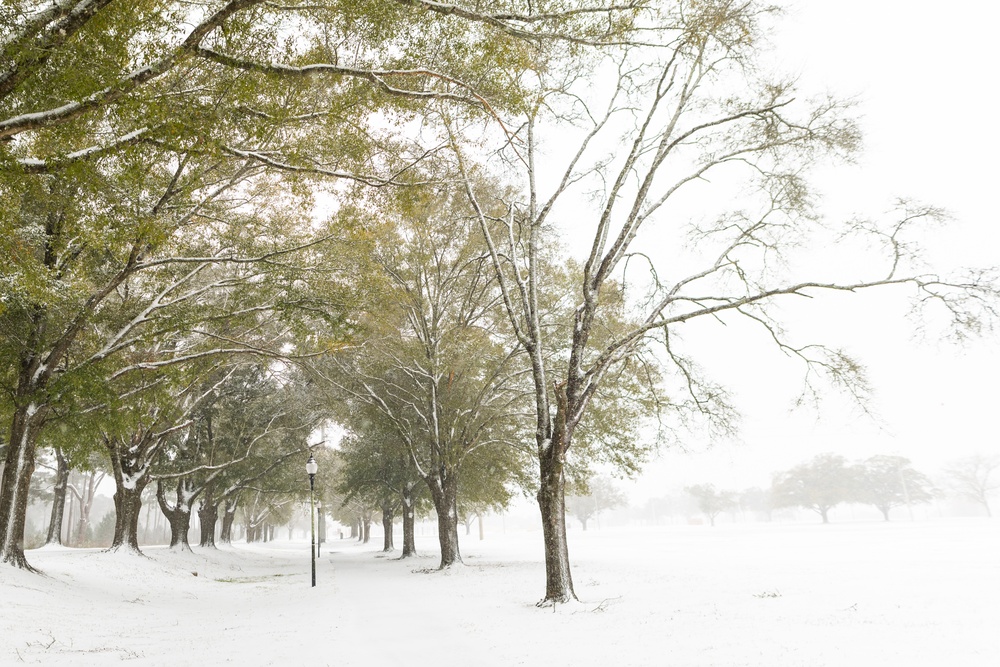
(924,75)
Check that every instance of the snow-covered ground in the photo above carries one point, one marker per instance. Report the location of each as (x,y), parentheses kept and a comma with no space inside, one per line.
(906,593)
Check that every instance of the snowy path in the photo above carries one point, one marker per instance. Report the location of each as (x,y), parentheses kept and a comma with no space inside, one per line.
(925,593)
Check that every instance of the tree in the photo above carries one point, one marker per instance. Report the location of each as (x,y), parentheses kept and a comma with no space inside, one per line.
(599,494)
(252,420)
(437,372)
(695,215)
(973,477)
(378,468)
(86,86)
(711,502)
(60,485)
(891,481)
(819,485)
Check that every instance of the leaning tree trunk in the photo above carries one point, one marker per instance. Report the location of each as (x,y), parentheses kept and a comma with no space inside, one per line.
(444,493)
(552,505)
(19,464)
(54,535)
(409,523)
(387,519)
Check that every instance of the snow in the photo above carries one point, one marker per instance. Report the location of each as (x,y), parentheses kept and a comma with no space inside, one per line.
(907,593)
(129,481)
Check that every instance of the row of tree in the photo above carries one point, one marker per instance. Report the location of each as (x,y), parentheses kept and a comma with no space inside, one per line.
(884,482)
(230,222)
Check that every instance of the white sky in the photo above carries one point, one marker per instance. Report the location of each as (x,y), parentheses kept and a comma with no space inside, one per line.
(923,73)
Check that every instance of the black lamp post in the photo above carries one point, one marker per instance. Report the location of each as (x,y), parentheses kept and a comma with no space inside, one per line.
(311,468)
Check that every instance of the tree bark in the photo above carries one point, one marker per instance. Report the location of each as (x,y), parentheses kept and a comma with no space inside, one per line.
(409,523)
(228,517)
(19,464)
(54,535)
(444,493)
(178,516)
(208,514)
(552,505)
(128,506)
(387,518)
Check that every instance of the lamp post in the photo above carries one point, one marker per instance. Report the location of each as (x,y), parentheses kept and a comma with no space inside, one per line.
(311,468)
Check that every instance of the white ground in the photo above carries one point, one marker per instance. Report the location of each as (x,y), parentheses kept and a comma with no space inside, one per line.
(907,593)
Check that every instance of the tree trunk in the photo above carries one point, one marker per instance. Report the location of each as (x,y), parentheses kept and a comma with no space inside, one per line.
(128,506)
(366,530)
(444,494)
(387,518)
(19,464)
(91,480)
(208,514)
(552,505)
(409,523)
(822,513)
(130,466)
(228,517)
(178,516)
(54,535)
(482,533)
(69,518)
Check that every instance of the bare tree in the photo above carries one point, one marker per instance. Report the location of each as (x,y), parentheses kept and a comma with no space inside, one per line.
(696,211)
(600,495)
(711,501)
(974,477)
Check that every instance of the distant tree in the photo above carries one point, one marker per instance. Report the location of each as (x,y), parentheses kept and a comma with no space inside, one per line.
(601,494)
(711,502)
(891,481)
(819,485)
(974,477)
